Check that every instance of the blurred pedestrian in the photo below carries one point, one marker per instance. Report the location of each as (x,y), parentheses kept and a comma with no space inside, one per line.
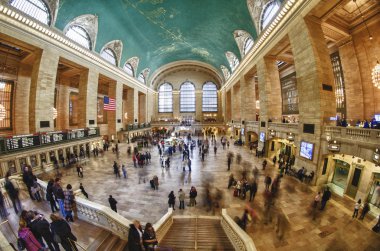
(113,203)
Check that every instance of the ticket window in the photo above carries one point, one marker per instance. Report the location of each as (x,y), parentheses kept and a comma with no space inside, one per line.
(43,158)
(12,167)
(53,158)
(33,161)
(22,162)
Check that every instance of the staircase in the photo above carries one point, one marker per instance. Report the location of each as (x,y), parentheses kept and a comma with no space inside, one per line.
(189,234)
(106,241)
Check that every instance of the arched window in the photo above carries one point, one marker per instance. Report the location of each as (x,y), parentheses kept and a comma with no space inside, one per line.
(141,78)
(34,8)
(165,98)
(232,60)
(109,55)
(269,12)
(187,97)
(129,69)
(248,44)
(210,98)
(79,35)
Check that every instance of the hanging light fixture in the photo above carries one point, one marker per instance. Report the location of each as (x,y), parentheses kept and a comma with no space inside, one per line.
(54,112)
(376,75)
(376,69)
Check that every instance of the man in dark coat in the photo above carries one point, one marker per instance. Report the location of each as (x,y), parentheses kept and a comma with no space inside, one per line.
(325,197)
(113,203)
(252,190)
(40,227)
(134,236)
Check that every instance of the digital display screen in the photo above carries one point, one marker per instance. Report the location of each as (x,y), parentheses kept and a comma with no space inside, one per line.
(21,142)
(53,137)
(377,117)
(306,150)
(77,134)
(262,136)
(376,157)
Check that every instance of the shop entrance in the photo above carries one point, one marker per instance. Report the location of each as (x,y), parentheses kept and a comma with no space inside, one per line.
(341,174)
(374,193)
(354,181)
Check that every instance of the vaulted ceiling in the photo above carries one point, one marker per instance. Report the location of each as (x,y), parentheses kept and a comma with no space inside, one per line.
(164,31)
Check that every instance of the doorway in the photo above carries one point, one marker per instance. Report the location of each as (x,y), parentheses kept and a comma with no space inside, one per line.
(354,181)
(341,174)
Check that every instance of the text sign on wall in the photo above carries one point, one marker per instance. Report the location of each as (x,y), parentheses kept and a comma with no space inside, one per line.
(289,94)
(22,141)
(53,137)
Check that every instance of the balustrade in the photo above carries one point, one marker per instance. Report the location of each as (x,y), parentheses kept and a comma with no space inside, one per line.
(353,133)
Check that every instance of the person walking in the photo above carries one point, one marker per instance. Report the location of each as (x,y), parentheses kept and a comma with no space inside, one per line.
(150,241)
(62,232)
(189,164)
(80,171)
(264,164)
(113,203)
(83,191)
(50,196)
(59,195)
(316,201)
(13,193)
(155,182)
(193,195)
(171,200)
(356,208)
(124,170)
(116,170)
(365,210)
(39,225)
(229,160)
(252,190)
(325,197)
(181,197)
(268,181)
(69,202)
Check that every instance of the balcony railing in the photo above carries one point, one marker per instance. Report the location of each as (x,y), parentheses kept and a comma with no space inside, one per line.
(353,133)
(133,127)
(284,127)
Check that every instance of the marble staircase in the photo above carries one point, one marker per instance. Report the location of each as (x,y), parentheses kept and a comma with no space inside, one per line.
(106,241)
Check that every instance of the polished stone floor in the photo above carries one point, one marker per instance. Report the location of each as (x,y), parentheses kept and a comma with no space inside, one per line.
(333,229)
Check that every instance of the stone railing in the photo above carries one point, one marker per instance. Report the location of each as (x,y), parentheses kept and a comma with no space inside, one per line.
(97,214)
(252,126)
(353,133)
(284,127)
(163,225)
(239,239)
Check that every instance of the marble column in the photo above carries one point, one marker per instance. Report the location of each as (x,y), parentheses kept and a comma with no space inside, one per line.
(176,111)
(236,103)
(42,90)
(21,104)
(248,99)
(314,73)
(88,98)
(63,99)
(198,105)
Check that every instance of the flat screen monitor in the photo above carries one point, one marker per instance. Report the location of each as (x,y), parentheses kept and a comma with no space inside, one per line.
(306,150)
(377,117)
(376,157)
(262,136)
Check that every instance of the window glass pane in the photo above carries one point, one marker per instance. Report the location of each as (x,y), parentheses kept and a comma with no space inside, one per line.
(165,98)
(269,13)
(108,55)
(79,35)
(248,45)
(210,98)
(5,104)
(141,78)
(34,8)
(128,68)
(187,97)
(339,84)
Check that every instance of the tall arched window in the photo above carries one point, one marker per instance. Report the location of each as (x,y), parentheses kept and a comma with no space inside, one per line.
(79,35)
(129,69)
(269,12)
(109,55)
(34,8)
(187,97)
(248,44)
(165,98)
(210,97)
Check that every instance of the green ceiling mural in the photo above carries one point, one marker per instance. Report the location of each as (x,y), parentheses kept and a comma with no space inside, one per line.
(164,31)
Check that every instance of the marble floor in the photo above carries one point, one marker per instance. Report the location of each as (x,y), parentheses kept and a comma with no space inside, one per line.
(333,228)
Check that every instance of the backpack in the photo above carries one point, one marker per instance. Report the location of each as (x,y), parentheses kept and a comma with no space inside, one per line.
(21,245)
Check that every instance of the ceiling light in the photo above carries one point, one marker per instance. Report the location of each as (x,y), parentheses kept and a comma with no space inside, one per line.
(376,75)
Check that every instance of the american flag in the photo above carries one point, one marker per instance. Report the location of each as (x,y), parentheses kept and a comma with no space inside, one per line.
(109,104)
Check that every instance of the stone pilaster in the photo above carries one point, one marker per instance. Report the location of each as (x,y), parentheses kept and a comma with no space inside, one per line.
(198,105)
(136,106)
(119,106)
(176,104)
(63,98)
(228,105)
(270,89)
(88,98)
(352,81)
(42,90)
(248,99)
(142,107)
(21,104)
(236,103)
(129,108)
(313,66)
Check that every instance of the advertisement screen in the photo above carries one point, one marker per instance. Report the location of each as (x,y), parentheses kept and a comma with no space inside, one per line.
(262,136)
(377,117)
(306,150)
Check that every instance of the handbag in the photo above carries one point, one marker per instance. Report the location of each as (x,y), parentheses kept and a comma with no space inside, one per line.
(21,244)
(57,238)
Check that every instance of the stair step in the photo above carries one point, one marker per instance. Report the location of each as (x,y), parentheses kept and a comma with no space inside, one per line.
(120,245)
(103,235)
(108,244)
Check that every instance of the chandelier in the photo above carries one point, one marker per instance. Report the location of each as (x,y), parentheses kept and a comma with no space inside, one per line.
(376,75)
(3,112)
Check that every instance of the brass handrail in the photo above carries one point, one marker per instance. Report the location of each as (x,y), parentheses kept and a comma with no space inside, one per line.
(75,244)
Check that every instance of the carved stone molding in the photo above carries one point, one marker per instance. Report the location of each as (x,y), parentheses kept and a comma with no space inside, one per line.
(134,62)
(232,60)
(226,72)
(241,37)
(88,22)
(145,73)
